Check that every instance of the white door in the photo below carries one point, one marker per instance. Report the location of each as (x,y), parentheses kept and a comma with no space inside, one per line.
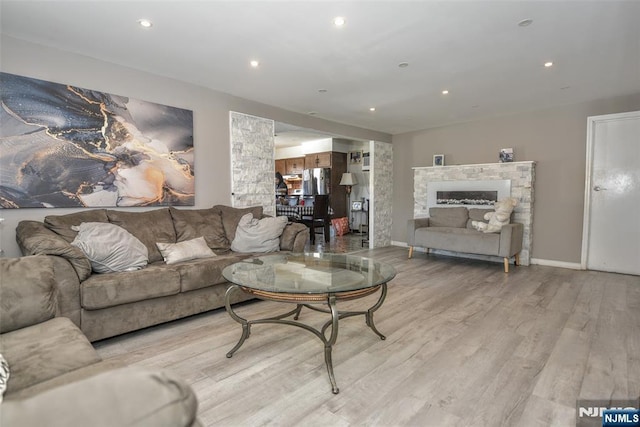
(611,237)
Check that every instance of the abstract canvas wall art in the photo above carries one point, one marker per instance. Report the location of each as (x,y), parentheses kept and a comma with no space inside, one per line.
(64,146)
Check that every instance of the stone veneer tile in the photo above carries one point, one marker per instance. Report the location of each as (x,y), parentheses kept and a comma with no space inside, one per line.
(252,167)
(382,170)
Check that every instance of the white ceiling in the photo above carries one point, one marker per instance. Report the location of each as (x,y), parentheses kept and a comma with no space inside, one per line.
(475,49)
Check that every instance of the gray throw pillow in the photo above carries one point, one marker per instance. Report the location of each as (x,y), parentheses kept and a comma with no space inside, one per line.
(110,248)
(186,250)
(258,235)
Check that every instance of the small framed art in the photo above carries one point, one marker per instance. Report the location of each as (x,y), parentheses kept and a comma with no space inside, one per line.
(506,155)
(355,157)
(356,206)
(438,160)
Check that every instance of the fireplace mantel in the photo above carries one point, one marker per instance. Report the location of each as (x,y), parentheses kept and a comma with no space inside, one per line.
(520,174)
(476,165)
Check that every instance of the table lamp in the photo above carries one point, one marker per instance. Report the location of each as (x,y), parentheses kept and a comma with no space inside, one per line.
(348,180)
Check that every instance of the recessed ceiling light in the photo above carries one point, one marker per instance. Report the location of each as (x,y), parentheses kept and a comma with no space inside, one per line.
(445,92)
(338,21)
(372,109)
(322,90)
(565,87)
(525,22)
(403,64)
(548,64)
(145,23)
(254,63)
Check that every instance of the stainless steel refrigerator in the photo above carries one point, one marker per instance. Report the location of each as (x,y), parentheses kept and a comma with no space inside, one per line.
(316,181)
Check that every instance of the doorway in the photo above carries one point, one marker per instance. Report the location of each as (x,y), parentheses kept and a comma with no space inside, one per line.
(611,232)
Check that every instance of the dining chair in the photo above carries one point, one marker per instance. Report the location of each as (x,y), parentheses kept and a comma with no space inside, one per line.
(320,218)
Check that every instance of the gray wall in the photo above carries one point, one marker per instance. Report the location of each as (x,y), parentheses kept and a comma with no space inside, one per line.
(554,138)
(210,116)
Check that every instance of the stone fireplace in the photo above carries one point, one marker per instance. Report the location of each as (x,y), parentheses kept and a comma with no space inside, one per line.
(476,186)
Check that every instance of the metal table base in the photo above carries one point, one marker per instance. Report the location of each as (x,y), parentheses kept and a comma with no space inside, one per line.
(305,300)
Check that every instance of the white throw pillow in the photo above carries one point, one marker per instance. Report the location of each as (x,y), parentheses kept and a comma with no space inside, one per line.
(184,251)
(110,248)
(4,375)
(258,235)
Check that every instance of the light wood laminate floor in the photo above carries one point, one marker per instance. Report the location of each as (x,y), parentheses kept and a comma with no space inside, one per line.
(467,345)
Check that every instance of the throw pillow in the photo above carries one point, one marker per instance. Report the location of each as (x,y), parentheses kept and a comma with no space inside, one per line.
(110,247)
(231,217)
(184,251)
(4,375)
(258,235)
(341,225)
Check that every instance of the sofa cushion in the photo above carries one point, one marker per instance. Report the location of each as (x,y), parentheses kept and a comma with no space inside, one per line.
(66,378)
(34,238)
(477,214)
(458,240)
(448,217)
(258,235)
(202,273)
(40,352)
(231,217)
(108,290)
(185,251)
(149,227)
(61,224)
(207,223)
(27,292)
(110,248)
(121,397)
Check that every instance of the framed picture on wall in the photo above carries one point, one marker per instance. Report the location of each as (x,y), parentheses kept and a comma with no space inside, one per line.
(438,160)
(355,157)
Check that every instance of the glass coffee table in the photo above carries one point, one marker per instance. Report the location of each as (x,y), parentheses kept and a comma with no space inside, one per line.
(309,280)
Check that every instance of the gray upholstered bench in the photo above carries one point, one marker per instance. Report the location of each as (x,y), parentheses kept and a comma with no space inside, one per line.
(450,229)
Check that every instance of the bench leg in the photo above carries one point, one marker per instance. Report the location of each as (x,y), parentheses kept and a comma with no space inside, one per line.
(517,261)
(410,251)
(506,265)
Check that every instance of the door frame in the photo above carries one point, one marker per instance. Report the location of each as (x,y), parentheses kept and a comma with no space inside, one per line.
(592,122)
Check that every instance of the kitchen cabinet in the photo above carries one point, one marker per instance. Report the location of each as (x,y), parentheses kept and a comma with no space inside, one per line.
(281,167)
(294,166)
(318,160)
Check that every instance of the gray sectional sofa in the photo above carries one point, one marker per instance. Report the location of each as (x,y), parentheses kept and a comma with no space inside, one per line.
(449,229)
(105,305)
(57,379)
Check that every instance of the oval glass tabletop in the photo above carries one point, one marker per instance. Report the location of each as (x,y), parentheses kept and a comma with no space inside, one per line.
(309,273)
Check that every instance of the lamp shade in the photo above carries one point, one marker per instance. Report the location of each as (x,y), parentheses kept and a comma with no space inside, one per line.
(348,179)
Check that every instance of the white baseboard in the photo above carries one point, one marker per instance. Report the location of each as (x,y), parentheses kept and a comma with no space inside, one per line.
(396,243)
(553,263)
